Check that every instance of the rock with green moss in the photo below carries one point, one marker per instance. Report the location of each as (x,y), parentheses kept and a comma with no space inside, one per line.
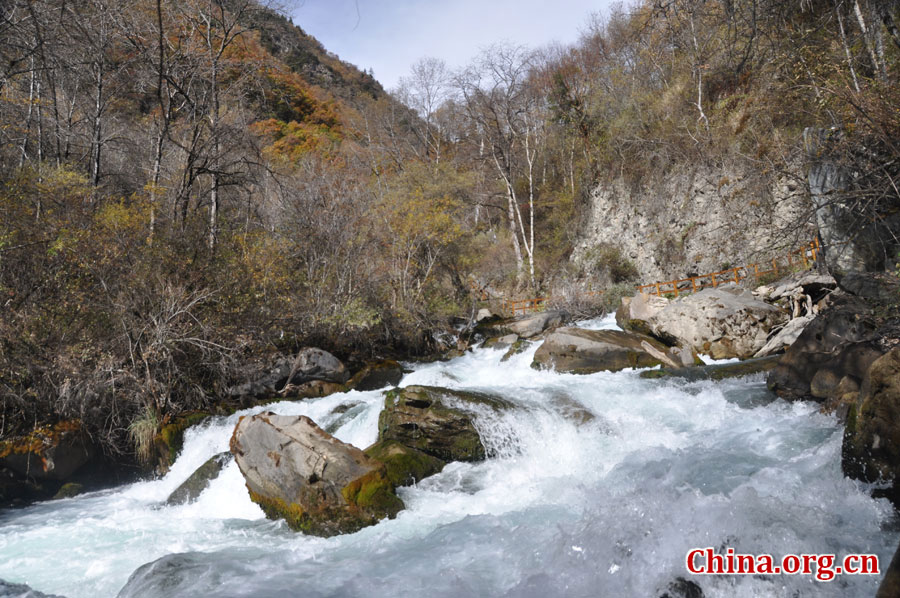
(319,485)
(517,347)
(579,351)
(404,465)
(53,452)
(69,490)
(871,446)
(199,481)
(436,421)
(377,374)
(170,438)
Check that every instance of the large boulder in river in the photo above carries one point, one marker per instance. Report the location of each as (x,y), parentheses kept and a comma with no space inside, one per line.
(436,421)
(313,372)
(871,449)
(580,351)
(841,342)
(524,326)
(723,322)
(531,325)
(423,427)
(634,312)
(318,484)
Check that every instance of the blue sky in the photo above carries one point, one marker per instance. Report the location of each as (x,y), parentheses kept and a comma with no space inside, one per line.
(388,36)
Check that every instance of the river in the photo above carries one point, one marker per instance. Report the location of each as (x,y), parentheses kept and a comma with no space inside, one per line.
(597,486)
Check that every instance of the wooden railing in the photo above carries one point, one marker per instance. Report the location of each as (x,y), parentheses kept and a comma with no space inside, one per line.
(524,306)
(804,256)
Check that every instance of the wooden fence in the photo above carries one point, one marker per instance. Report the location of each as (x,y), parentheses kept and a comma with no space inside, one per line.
(802,257)
(798,257)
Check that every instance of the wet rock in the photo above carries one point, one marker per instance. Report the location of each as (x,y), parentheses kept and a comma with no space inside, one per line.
(199,481)
(318,484)
(841,339)
(69,490)
(723,322)
(404,465)
(375,375)
(170,439)
(18,590)
(785,337)
(579,351)
(500,342)
(48,453)
(718,371)
(436,421)
(316,364)
(310,390)
(634,312)
(871,444)
(683,588)
(517,347)
(890,585)
(531,325)
(875,287)
(310,364)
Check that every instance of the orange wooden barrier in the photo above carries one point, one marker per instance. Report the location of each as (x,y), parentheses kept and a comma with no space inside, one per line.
(806,254)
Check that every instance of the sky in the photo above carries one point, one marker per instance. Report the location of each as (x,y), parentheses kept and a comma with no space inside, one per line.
(388,36)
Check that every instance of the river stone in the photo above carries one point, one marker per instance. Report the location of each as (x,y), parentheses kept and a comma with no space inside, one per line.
(871,445)
(436,421)
(290,375)
(723,322)
(500,342)
(717,371)
(49,453)
(483,314)
(785,337)
(579,351)
(890,584)
(840,339)
(634,312)
(193,487)
(533,324)
(318,484)
(316,364)
(404,465)
(377,374)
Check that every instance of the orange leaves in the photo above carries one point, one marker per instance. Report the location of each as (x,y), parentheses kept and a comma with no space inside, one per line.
(290,141)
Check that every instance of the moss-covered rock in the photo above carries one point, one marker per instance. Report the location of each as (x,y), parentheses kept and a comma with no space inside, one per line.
(319,485)
(436,421)
(52,452)
(871,444)
(404,465)
(517,347)
(170,439)
(579,351)
(69,490)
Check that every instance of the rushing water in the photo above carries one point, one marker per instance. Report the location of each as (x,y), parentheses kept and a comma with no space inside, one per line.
(568,505)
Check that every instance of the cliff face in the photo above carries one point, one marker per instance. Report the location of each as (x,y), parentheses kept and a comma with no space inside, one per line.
(697,220)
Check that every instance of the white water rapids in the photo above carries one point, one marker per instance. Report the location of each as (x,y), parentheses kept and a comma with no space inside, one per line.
(565,507)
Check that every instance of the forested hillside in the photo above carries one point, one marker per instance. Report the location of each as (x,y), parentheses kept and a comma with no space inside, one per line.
(191,187)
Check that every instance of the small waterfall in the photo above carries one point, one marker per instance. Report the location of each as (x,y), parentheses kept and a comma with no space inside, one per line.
(596,485)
